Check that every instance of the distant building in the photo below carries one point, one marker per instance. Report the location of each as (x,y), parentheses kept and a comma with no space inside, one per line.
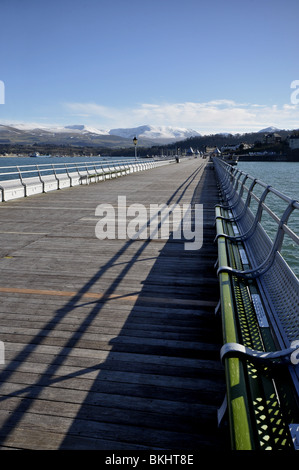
(229,148)
(215,152)
(210,149)
(272,138)
(233,148)
(190,151)
(294,141)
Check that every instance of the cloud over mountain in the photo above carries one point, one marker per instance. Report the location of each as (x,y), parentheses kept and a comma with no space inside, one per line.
(155,132)
(210,117)
(84,135)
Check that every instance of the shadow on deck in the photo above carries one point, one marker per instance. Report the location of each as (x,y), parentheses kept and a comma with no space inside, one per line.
(162,381)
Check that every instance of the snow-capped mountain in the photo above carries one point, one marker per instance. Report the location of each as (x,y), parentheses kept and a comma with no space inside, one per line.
(85,129)
(270,129)
(77,128)
(155,132)
(147,135)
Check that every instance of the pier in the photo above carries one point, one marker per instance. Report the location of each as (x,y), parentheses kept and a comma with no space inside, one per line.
(110,344)
(259,305)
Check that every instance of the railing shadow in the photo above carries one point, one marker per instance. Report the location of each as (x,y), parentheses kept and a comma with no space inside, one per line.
(187,379)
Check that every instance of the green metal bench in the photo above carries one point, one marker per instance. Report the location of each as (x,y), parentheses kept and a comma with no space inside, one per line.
(260,354)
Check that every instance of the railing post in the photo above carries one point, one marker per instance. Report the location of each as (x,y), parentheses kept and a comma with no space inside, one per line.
(67,172)
(56,177)
(40,178)
(22,182)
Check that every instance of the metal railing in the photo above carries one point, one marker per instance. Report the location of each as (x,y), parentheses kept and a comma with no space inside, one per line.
(38,170)
(259,303)
(253,204)
(24,180)
(245,201)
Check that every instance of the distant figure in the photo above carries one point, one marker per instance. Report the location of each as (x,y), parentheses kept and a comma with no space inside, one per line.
(177,159)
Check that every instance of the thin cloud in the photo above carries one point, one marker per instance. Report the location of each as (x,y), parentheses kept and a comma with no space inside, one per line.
(208,117)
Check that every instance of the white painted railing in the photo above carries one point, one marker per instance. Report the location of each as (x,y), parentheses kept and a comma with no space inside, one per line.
(26,180)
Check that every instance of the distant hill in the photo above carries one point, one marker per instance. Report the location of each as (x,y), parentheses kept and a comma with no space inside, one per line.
(82,139)
(269,130)
(161,134)
(83,135)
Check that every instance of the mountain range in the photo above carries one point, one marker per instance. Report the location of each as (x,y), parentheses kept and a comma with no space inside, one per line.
(269,130)
(171,134)
(84,135)
(79,135)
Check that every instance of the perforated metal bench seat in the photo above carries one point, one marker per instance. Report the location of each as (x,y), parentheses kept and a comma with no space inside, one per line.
(260,314)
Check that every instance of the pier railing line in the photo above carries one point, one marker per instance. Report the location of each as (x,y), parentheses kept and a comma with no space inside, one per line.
(259,304)
(242,191)
(26,180)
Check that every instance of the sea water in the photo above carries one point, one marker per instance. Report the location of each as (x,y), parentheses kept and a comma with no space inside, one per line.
(283,176)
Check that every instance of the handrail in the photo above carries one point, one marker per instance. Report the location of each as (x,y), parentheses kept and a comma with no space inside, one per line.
(61,167)
(240,188)
(23,180)
(259,295)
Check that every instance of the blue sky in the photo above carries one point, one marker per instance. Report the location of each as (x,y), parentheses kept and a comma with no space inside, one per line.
(214,66)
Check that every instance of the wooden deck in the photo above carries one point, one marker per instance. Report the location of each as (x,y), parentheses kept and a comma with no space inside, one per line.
(110,344)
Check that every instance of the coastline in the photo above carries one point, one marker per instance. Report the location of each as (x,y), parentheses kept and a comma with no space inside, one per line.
(268,158)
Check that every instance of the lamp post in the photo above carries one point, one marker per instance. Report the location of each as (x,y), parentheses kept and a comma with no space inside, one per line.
(135,143)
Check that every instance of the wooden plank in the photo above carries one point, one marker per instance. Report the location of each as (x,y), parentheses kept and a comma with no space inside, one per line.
(113,343)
